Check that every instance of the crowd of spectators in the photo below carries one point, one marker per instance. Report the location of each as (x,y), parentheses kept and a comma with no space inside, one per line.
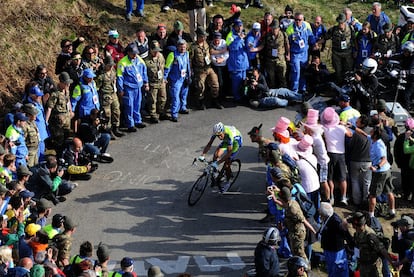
(60,130)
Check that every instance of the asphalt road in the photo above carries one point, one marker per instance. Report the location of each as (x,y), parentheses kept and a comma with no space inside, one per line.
(138,204)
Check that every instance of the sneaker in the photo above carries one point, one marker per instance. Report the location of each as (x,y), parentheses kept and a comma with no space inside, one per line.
(154,120)
(174,119)
(165,117)
(184,112)
(390,216)
(225,187)
(166,8)
(343,202)
(308,96)
(210,5)
(128,17)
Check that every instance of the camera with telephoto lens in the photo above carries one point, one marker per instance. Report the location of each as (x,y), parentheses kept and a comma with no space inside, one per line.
(62,165)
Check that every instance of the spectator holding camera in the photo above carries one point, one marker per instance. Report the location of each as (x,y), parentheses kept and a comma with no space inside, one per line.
(94,134)
(78,165)
(47,181)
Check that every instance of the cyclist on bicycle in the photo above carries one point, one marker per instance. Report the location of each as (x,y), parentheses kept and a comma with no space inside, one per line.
(231,143)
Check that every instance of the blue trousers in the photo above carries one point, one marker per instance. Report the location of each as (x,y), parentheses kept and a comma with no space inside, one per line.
(99,146)
(178,95)
(130,6)
(298,63)
(132,106)
(336,263)
(237,78)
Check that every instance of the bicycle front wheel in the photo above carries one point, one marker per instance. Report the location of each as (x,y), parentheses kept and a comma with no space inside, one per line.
(197,190)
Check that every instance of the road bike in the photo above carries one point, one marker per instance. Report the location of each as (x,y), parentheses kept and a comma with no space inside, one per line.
(213,177)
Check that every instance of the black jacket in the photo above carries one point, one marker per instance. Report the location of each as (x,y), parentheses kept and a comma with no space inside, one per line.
(266,260)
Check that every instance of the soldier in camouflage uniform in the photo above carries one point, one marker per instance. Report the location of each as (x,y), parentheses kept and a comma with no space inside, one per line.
(370,247)
(59,110)
(203,72)
(31,135)
(295,222)
(276,52)
(157,92)
(106,84)
(63,243)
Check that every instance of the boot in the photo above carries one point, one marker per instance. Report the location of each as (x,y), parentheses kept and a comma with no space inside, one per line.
(217,104)
(117,132)
(201,106)
(247,4)
(112,135)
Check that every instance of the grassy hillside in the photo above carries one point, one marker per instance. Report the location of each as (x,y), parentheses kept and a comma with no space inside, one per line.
(32,29)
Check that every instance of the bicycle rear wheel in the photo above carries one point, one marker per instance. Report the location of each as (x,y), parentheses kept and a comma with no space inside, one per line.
(197,190)
(235,171)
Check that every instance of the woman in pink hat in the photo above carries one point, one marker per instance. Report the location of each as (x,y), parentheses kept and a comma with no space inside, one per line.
(282,135)
(335,144)
(312,128)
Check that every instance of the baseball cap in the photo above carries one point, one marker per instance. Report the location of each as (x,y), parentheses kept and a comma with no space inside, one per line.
(131,48)
(238,22)
(113,34)
(161,26)
(344,98)
(88,73)
(21,117)
(26,194)
(256,26)
(32,229)
(36,90)
(126,262)
(17,106)
(217,35)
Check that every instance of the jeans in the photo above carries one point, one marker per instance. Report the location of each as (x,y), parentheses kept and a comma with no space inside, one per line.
(130,6)
(99,146)
(286,94)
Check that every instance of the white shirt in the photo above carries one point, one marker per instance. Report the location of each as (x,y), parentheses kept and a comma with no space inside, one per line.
(308,175)
(335,139)
(319,149)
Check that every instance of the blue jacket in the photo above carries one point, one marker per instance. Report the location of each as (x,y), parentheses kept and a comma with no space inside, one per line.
(300,38)
(131,73)
(238,60)
(376,26)
(177,66)
(86,96)
(252,41)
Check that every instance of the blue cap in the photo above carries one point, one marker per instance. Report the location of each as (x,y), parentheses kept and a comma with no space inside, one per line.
(26,194)
(238,22)
(132,48)
(126,262)
(344,98)
(36,90)
(88,73)
(21,117)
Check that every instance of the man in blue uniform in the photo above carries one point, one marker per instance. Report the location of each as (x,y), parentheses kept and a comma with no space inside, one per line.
(177,72)
(131,78)
(300,38)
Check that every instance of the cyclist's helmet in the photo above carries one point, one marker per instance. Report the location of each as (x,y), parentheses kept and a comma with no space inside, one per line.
(271,236)
(369,66)
(408,47)
(296,262)
(218,128)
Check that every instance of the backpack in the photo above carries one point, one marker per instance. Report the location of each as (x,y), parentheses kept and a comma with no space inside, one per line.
(306,205)
(375,225)
(287,160)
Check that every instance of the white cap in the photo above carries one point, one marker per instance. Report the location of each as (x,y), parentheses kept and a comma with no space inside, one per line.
(113,33)
(256,26)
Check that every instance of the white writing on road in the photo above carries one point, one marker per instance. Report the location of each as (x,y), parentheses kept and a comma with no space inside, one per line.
(181,264)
